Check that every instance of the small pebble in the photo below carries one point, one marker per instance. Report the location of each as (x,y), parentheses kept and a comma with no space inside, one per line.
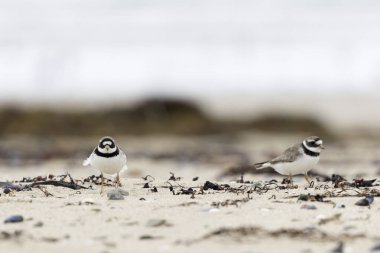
(376,248)
(110,244)
(320,217)
(308,206)
(7,191)
(50,239)
(39,224)
(156,223)
(14,219)
(370,199)
(340,206)
(146,237)
(210,210)
(7,235)
(348,228)
(123,192)
(365,202)
(117,194)
(303,197)
(87,201)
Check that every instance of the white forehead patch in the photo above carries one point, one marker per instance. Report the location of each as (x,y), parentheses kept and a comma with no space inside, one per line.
(319,142)
(107,143)
(105,151)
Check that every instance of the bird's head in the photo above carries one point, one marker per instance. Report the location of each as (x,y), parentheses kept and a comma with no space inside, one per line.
(107,145)
(314,143)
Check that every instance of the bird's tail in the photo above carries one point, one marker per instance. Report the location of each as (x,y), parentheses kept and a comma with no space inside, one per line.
(86,162)
(260,166)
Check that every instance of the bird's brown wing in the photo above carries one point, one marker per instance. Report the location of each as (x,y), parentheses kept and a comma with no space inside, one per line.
(289,155)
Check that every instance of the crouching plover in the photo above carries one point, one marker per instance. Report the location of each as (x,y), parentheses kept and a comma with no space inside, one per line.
(109,159)
(298,159)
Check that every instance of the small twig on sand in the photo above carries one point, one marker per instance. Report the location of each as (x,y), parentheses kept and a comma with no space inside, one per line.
(149,176)
(70,185)
(44,190)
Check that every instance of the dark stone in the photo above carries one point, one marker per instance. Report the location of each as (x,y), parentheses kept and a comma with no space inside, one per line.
(14,219)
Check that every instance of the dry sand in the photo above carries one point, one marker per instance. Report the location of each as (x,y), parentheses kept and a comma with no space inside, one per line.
(147,221)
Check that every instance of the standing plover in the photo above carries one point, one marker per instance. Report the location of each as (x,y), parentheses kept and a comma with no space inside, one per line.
(109,159)
(298,159)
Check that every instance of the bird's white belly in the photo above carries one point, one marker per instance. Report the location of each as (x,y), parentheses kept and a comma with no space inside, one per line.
(110,165)
(300,166)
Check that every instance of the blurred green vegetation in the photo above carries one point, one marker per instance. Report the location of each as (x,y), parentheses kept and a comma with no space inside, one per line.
(154,116)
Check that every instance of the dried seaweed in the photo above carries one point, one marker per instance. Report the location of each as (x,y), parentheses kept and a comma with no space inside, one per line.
(319,176)
(61,183)
(70,185)
(230,202)
(340,193)
(97,180)
(242,181)
(12,186)
(364,183)
(5,235)
(189,191)
(268,186)
(214,186)
(52,180)
(310,197)
(238,233)
(147,177)
(173,177)
(186,204)
(337,180)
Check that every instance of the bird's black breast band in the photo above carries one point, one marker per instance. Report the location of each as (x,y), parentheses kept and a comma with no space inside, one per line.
(309,152)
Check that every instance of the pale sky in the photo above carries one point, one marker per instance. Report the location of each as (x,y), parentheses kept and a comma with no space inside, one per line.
(105,50)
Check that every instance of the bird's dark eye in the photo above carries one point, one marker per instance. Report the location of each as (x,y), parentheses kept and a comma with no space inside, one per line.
(106,142)
(312,144)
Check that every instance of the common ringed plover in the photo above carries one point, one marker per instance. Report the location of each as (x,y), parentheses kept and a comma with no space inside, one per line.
(109,159)
(298,159)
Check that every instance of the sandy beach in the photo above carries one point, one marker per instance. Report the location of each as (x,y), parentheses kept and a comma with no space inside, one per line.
(258,215)
(194,93)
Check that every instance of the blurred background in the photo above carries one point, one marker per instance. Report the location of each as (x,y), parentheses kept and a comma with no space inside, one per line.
(202,67)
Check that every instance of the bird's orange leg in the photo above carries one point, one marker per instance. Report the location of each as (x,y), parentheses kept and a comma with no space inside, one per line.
(308,179)
(101,183)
